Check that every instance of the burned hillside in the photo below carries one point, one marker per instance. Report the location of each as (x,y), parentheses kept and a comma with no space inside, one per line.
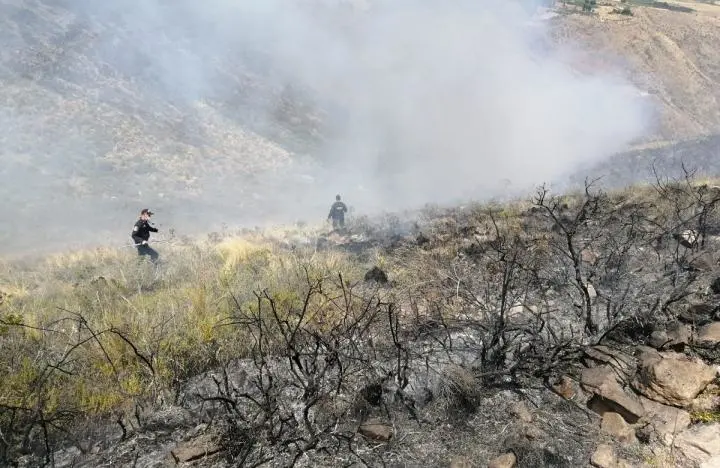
(494,331)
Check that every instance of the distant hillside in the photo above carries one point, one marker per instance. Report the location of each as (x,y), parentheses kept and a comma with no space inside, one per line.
(671,53)
(174,114)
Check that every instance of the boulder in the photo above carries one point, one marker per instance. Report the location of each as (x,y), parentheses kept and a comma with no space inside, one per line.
(700,443)
(645,353)
(666,421)
(673,381)
(507,460)
(195,449)
(676,336)
(679,334)
(376,430)
(604,457)
(565,387)
(614,425)
(617,360)
(609,395)
(709,334)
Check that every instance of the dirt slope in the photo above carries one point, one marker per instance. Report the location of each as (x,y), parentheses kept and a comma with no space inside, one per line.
(673,55)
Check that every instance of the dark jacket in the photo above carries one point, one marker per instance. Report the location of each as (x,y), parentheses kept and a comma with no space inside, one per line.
(337,210)
(141,231)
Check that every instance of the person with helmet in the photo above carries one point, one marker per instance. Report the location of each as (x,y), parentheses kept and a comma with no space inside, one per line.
(141,235)
(337,213)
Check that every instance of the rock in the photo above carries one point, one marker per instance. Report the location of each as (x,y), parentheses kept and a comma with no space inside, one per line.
(377,275)
(618,360)
(667,421)
(676,336)
(646,353)
(659,339)
(614,425)
(700,443)
(686,238)
(520,411)
(376,430)
(507,460)
(679,334)
(712,462)
(565,387)
(673,381)
(609,395)
(533,432)
(604,457)
(195,449)
(460,462)
(709,334)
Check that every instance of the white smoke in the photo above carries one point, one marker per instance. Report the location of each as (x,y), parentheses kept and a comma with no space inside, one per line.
(427,102)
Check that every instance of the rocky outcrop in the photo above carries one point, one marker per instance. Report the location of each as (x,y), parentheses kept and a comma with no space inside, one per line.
(609,395)
(701,444)
(676,336)
(615,426)
(604,457)
(666,421)
(622,363)
(709,334)
(195,449)
(673,381)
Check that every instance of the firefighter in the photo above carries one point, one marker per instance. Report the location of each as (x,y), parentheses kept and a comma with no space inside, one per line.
(141,235)
(337,213)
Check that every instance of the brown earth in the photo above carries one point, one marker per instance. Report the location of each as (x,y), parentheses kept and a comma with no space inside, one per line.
(673,55)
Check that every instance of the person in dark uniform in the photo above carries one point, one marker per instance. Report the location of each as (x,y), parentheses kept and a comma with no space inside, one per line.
(337,213)
(141,234)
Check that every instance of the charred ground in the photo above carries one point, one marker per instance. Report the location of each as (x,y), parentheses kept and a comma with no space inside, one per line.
(485,335)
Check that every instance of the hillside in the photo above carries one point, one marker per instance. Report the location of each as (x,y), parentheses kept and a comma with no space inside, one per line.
(109,108)
(561,331)
(574,326)
(670,53)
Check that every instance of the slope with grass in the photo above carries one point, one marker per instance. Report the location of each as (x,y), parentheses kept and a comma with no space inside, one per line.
(277,349)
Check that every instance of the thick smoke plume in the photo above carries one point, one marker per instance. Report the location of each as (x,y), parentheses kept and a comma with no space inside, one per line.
(413,102)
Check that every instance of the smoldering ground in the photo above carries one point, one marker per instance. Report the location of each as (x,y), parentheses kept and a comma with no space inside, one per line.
(393,104)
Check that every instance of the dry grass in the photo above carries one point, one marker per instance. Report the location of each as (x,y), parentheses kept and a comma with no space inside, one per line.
(91,332)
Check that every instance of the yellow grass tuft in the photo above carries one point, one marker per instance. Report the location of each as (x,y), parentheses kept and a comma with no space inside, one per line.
(99,255)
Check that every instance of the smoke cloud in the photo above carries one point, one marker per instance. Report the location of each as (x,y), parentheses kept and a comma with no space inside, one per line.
(395,104)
